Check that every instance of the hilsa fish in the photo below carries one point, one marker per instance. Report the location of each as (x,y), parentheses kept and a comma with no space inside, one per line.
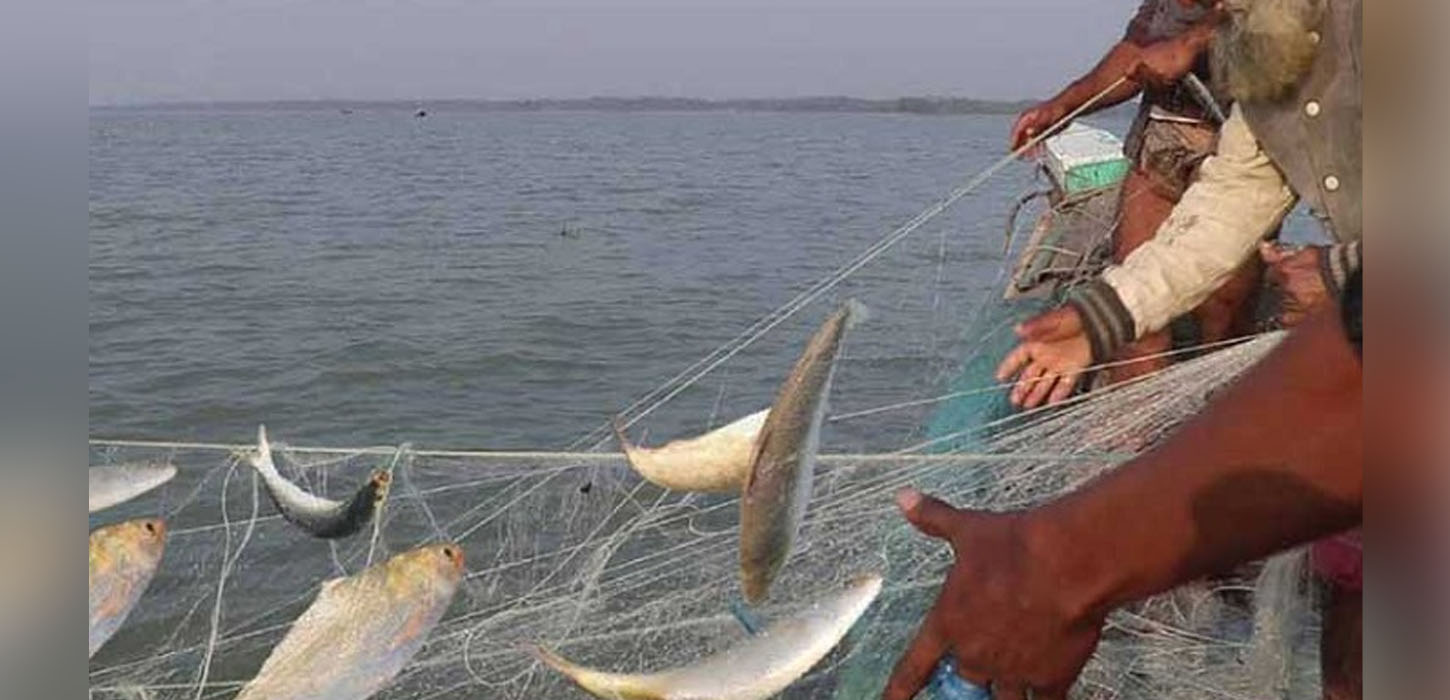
(778,486)
(124,557)
(320,517)
(715,461)
(362,629)
(117,483)
(757,668)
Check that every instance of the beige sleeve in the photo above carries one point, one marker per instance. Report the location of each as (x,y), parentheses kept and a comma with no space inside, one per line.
(1238,198)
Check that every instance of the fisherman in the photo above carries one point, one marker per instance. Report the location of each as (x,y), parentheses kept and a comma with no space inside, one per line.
(1175,130)
(1274,461)
(1293,69)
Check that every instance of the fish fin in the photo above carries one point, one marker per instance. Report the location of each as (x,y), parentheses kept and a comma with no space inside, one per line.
(602,684)
(264,448)
(755,452)
(547,657)
(621,436)
(746,617)
(856,312)
(328,589)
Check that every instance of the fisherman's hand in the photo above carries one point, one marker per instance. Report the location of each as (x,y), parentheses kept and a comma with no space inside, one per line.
(1299,276)
(1034,121)
(1005,613)
(1050,359)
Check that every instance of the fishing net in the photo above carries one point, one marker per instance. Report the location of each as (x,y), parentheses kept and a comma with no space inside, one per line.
(573,551)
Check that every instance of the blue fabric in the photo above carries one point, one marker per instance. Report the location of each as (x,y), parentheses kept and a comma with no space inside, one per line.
(991,337)
(945,684)
(880,638)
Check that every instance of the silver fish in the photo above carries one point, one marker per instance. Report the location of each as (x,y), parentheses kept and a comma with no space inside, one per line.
(118,483)
(322,517)
(715,461)
(124,557)
(778,486)
(757,668)
(361,630)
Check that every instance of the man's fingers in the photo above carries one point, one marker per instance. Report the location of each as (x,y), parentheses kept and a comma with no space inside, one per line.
(1063,388)
(1024,136)
(1026,381)
(930,515)
(1013,362)
(1271,253)
(1268,252)
(917,664)
(1040,390)
(1020,134)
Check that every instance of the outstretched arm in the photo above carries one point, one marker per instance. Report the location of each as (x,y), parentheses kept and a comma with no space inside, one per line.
(1135,57)
(1238,198)
(1118,62)
(1274,461)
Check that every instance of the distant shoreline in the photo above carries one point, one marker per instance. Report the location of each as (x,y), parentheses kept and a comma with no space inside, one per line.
(843,105)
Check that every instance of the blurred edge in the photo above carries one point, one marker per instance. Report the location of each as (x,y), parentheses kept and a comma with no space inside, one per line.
(42,349)
(1407,378)
(43,307)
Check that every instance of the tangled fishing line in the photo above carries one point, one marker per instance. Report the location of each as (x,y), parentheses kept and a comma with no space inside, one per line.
(572,550)
(632,577)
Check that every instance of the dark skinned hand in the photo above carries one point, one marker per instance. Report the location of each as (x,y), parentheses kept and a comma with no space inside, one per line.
(1005,615)
(1034,121)
(1297,274)
(1050,359)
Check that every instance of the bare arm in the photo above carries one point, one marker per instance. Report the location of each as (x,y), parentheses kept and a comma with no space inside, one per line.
(1140,59)
(1119,61)
(1275,460)
(1162,62)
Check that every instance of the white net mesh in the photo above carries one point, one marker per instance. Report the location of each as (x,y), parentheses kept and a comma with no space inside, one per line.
(574,551)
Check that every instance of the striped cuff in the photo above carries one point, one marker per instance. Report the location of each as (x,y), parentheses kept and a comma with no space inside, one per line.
(1107,322)
(1351,311)
(1338,262)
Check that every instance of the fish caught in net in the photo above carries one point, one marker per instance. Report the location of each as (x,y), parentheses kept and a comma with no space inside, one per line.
(631,577)
(577,553)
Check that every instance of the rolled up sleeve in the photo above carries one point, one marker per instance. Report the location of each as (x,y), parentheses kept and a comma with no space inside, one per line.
(1238,198)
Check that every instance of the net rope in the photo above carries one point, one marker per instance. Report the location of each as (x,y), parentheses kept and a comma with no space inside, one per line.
(632,577)
(571,549)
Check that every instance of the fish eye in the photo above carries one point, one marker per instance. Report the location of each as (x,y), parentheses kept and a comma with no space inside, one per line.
(150,527)
(448,552)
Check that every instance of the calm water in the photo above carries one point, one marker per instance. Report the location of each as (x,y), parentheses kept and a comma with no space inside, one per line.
(511,280)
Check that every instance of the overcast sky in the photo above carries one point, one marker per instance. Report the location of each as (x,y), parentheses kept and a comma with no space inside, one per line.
(150,50)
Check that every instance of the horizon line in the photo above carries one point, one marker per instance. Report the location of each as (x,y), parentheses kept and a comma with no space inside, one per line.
(530,101)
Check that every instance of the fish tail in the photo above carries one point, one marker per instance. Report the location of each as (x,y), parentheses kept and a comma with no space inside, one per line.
(262,458)
(621,436)
(599,683)
(856,312)
(755,584)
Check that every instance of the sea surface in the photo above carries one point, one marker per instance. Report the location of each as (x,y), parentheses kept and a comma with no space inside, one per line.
(494,280)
